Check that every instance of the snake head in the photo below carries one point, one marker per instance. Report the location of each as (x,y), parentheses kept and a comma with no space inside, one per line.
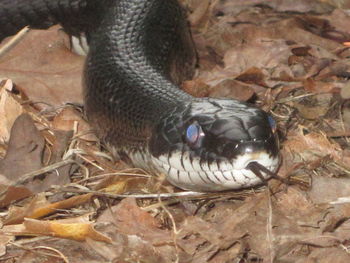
(208,145)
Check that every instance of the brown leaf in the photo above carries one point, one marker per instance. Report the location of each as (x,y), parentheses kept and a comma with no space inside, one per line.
(301,51)
(339,215)
(345,91)
(24,151)
(326,189)
(313,146)
(4,240)
(299,6)
(44,69)
(11,193)
(39,251)
(253,76)
(315,107)
(10,109)
(257,54)
(232,89)
(200,11)
(334,255)
(69,119)
(131,220)
(196,88)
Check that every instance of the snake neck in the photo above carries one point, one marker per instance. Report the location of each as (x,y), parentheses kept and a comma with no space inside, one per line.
(130,70)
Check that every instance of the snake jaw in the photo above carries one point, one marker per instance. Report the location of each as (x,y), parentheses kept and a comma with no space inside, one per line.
(226,178)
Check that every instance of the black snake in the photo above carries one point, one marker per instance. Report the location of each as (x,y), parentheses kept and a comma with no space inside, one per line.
(139,51)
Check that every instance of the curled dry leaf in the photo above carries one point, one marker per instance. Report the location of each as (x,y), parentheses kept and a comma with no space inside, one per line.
(40,207)
(253,75)
(74,231)
(10,194)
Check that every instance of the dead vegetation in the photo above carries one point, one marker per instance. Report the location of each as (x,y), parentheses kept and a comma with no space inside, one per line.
(64,198)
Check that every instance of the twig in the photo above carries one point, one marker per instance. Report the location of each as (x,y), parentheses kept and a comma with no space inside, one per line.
(269,228)
(345,133)
(288,99)
(43,170)
(32,249)
(175,231)
(140,196)
(13,42)
(184,194)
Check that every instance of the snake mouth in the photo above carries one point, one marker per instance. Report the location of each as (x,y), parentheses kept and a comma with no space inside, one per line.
(245,171)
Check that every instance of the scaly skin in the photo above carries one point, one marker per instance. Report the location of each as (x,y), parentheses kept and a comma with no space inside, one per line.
(140,50)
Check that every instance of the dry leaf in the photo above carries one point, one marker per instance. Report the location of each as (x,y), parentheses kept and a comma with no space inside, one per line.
(232,89)
(44,69)
(10,109)
(40,207)
(68,118)
(25,149)
(131,220)
(74,231)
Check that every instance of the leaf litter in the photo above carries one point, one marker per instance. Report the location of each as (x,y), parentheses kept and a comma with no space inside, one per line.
(62,192)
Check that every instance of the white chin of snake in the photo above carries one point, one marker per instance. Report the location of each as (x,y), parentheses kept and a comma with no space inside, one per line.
(214,177)
(77,45)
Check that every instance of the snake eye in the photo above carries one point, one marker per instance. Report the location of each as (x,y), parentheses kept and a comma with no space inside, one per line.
(194,135)
(272,123)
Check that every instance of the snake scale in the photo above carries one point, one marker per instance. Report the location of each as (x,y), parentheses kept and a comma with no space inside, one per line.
(139,53)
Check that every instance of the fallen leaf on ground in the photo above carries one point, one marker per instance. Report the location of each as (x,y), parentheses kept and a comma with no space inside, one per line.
(74,231)
(40,207)
(25,149)
(69,119)
(132,220)
(44,69)
(10,109)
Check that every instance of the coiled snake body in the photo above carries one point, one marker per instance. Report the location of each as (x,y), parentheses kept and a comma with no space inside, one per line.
(139,51)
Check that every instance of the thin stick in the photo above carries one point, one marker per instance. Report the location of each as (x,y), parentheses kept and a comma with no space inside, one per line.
(43,170)
(14,41)
(140,196)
